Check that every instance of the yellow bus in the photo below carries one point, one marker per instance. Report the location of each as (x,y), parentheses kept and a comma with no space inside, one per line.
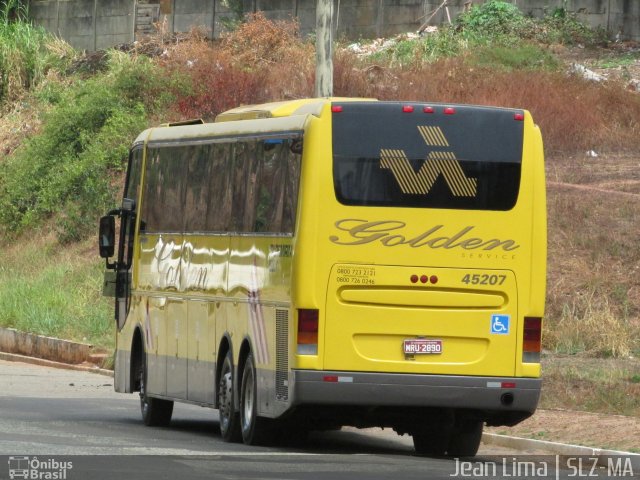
(316,263)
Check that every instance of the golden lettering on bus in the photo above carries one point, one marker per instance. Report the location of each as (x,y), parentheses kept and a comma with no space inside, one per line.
(390,233)
(437,163)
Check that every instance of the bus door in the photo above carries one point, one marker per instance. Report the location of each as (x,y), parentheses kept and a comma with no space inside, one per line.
(118,279)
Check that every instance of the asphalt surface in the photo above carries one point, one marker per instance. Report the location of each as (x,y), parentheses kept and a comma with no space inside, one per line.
(59,416)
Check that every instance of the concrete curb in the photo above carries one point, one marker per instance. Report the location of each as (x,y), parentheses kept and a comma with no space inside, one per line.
(48,348)
(14,357)
(558,448)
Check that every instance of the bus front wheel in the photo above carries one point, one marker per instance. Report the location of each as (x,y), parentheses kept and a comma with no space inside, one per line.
(229,418)
(155,411)
(255,430)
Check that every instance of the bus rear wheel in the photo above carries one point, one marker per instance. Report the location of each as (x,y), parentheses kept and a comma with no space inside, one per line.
(465,439)
(229,418)
(255,430)
(459,440)
(431,442)
(155,411)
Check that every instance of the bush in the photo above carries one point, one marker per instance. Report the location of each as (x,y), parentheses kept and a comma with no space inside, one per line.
(564,27)
(492,19)
(444,43)
(260,61)
(85,136)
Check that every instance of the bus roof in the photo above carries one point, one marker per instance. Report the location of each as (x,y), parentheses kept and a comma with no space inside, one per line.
(285,108)
(193,133)
(289,115)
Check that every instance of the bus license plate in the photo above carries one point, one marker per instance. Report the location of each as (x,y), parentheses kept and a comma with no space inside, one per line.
(422,346)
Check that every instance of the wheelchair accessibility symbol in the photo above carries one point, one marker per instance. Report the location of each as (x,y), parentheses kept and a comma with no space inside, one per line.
(500,324)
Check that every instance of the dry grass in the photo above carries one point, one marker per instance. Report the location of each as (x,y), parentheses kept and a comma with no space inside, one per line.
(260,61)
(593,384)
(593,299)
(589,323)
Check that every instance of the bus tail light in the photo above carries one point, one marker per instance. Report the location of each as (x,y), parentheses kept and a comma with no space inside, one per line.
(532,337)
(307,331)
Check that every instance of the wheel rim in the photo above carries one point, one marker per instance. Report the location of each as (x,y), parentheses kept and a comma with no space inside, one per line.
(248,397)
(225,398)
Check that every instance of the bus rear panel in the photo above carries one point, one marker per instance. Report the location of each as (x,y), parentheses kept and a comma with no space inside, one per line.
(428,269)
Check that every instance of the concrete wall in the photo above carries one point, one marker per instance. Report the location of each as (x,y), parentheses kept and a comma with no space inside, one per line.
(97,24)
(87,24)
(616,16)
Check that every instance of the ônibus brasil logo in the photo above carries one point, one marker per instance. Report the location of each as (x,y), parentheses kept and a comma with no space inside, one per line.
(37,469)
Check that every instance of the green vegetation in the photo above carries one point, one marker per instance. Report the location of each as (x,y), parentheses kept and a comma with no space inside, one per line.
(496,34)
(591,384)
(526,56)
(236,10)
(493,20)
(26,52)
(562,26)
(55,290)
(623,60)
(85,138)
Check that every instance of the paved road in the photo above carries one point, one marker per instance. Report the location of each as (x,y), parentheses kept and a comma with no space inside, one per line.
(53,414)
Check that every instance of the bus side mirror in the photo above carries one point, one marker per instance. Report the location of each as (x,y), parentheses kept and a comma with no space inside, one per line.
(107,236)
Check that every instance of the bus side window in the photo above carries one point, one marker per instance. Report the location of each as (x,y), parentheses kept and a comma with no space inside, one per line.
(164,193)
(247,170)
(197,204)
(277,187)
(269,211)
(220,199)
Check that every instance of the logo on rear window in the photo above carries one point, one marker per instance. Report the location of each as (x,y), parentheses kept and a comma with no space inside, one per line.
(437,163)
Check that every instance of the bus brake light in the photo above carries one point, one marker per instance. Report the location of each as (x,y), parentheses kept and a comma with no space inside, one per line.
(336,108)
(449,111)
(532,336)
(308,331)
(407,108)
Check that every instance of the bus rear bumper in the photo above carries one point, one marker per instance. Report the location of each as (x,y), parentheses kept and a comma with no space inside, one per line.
(491,394)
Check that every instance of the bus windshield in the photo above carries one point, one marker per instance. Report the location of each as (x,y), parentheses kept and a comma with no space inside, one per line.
(468,159)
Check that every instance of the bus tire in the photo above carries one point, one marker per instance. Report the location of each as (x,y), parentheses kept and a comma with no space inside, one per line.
(155,411)
(429,443)
(229,418)
(255,430)
(465,439)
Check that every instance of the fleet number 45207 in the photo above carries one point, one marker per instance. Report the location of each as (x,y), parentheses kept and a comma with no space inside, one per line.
(483,279)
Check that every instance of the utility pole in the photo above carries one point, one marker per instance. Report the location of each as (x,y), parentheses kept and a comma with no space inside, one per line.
(324,48)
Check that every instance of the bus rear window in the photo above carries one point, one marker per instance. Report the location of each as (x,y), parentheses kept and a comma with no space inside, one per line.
(384,156)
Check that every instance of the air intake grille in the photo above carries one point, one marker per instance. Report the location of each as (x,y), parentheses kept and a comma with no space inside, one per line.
(282,355)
